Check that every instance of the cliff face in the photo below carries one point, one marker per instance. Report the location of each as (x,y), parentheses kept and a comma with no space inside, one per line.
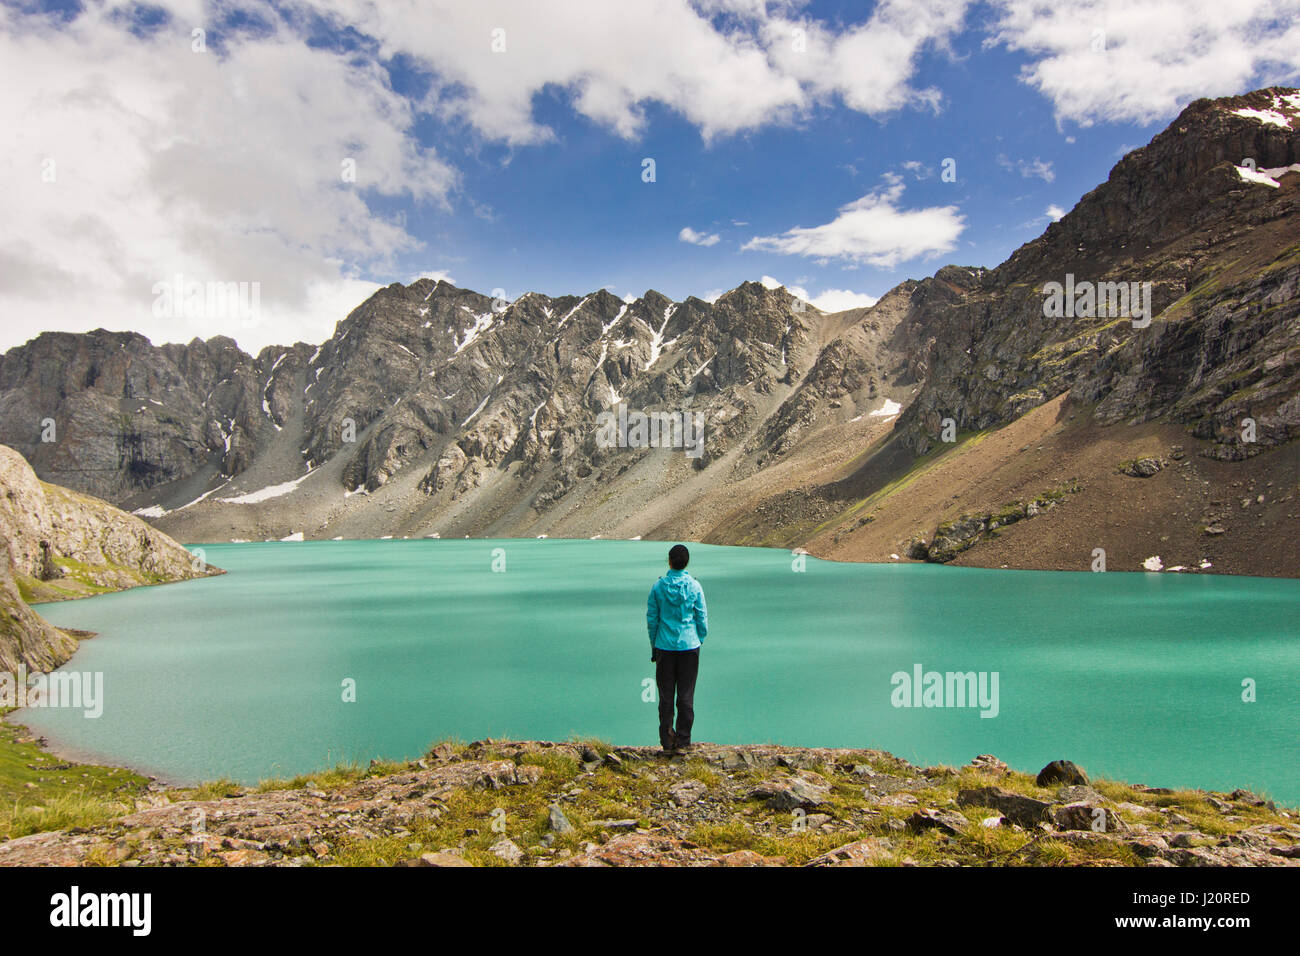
(26,638)
(1219,243)
(60,544)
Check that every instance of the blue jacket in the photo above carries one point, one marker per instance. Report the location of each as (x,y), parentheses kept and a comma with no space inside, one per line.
(675,613)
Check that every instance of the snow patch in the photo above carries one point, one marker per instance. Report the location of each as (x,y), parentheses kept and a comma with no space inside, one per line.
(657,342)
(267,493)
(604,329)
(296,536)
(153,511)
(888,410)
(481,324)
(572,312)
(1153,563)
(476,411)
(1272,117)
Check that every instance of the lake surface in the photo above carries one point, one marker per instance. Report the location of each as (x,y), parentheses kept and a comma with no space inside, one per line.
(1133,676)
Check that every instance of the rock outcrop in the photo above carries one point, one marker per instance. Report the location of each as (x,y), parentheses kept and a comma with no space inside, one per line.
(60,544)
(1215,245)
(569,804)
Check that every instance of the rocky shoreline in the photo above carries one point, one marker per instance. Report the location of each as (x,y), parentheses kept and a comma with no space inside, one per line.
(505,803)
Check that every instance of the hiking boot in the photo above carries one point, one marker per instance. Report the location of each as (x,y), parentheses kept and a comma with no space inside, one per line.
(681,746)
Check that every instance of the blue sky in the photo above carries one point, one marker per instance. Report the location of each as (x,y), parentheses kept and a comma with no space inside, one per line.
(501,144)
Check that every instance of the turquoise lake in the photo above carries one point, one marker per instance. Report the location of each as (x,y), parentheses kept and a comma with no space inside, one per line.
(1133,676)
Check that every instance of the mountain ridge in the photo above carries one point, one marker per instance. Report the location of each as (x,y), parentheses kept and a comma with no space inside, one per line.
(437,411)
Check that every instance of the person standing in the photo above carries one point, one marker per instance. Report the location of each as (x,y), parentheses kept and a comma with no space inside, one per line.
(678,622)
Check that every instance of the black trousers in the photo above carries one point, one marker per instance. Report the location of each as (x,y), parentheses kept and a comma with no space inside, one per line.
(675,674)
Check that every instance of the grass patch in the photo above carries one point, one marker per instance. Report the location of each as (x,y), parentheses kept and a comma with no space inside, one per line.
(40,792)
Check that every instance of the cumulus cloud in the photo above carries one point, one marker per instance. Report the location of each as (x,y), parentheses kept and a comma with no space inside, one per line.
(872,230)
(226,166)
(1055,212)
(868,67)
(698,238)
(1143,60)
(832,300)
(215,166)
(838,300)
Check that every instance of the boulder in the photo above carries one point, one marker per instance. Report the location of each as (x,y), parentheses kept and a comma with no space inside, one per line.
(508,850)
(869,851)
(687,792)
(1016,807)
(558,822)
(989,764)
(805,789)
(948,821)
(1062,771)
(1086,815)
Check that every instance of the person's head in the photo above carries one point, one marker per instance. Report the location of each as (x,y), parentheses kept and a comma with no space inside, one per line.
(678,557)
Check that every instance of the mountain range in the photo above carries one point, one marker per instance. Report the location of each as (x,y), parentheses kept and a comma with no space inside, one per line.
(1148,412)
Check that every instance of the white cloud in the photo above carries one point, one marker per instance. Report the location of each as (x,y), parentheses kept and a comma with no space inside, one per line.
(437,275)
(724,74)
(220,167)
(1029,168)
(1055,212)
(918,169)
(1143,60)
(872,230)
(698,238)
(868,67)
(838,300)
(832,300)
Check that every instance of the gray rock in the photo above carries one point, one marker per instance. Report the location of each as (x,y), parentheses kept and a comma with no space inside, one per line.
(1019,809)
(687,792)
(559,823)
(948,821)
(1087,816)
(508,850)
(805,789)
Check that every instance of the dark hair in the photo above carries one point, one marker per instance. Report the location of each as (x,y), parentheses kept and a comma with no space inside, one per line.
(678,557)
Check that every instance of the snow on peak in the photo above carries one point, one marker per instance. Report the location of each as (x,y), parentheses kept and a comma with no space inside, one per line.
(605,329)
(1266,177)
(1276,116)
(481,324)
(657,342)
(572,312)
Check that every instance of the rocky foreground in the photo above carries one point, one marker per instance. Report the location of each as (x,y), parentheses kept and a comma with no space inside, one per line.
(574,804)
